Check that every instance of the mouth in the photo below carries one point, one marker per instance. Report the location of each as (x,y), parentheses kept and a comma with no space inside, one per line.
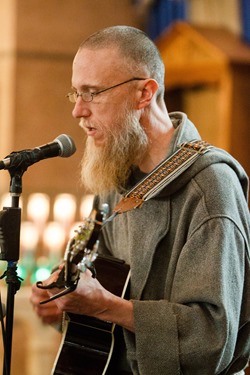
(89,130)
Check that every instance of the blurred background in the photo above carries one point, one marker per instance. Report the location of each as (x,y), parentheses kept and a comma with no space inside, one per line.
(205,46)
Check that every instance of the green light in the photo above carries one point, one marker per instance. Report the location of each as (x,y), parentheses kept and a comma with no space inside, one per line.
(42,273)
(21,272)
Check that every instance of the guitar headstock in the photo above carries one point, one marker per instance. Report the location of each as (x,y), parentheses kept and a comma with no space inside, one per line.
(82,248)
(80,254)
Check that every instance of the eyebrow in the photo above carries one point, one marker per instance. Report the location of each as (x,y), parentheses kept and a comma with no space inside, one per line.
(87,87)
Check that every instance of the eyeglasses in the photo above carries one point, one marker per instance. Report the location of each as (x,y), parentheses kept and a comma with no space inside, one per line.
(89,96)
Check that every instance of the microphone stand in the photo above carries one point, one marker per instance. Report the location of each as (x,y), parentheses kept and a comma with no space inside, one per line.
(10,225)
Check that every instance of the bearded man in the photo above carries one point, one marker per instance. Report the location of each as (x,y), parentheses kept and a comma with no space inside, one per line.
(187,246)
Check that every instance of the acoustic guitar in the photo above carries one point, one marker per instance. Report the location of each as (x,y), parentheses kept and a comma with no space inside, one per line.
(89,346)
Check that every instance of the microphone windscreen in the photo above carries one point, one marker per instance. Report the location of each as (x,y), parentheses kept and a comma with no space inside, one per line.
(66,144)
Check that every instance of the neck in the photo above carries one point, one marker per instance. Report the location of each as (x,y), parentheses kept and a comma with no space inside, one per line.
(159,130)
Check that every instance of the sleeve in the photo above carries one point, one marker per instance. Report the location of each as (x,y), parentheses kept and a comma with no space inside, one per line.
(195,332)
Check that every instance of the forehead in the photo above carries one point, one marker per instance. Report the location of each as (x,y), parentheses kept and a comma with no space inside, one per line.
(94,66)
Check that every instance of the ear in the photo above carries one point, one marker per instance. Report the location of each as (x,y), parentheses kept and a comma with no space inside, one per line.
(147,92)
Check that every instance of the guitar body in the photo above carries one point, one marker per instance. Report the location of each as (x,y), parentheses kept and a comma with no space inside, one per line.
(90,346)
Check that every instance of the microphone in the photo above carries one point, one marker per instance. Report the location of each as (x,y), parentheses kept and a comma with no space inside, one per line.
(62,146)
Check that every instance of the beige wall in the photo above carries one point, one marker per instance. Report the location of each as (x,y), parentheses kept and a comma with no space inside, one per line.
(219,13)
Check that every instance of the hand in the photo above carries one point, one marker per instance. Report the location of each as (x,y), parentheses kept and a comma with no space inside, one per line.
(89,298)
(92,299)
(48,313)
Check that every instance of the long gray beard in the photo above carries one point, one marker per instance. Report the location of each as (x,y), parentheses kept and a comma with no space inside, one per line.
(108,167)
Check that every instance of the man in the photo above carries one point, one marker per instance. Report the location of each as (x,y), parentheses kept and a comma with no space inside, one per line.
(187,246)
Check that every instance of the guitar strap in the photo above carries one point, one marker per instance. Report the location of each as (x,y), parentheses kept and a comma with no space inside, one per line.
(186,154)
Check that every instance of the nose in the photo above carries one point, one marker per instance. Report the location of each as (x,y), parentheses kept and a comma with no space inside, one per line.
(81,109)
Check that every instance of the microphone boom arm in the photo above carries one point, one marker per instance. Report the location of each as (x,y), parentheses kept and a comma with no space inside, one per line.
(21,159)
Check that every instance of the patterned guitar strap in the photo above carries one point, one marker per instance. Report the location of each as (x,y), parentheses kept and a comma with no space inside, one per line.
(186,154)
